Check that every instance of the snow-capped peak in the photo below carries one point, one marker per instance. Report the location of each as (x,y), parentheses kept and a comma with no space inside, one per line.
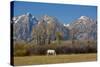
(84,17)
(33,17)
(28,13)
(66,25)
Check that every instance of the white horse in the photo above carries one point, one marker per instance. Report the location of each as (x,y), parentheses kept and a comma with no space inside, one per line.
(51,52)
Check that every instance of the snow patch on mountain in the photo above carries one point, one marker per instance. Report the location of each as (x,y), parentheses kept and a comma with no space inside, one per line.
(66,25)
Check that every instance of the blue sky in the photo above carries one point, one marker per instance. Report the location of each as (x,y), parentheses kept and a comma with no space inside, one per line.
(65,13)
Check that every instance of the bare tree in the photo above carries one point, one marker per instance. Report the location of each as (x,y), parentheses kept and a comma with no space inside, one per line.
(58,37)
(73,32)
(39,33)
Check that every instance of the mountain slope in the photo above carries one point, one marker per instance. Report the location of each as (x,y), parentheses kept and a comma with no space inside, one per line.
(23,25)
(52,26)
(86,28)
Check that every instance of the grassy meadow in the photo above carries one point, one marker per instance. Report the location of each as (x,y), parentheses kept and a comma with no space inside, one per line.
(66,58)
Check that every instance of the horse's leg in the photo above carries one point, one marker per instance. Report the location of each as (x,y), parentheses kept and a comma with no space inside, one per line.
(52,53)
(55,53)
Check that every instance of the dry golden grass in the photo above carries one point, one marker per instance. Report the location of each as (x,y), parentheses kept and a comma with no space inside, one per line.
(34,60)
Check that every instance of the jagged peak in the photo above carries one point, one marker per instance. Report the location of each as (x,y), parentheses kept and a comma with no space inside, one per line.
(84,18)
(29,14)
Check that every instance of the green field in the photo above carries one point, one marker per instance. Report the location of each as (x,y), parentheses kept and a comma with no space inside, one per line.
(34,60)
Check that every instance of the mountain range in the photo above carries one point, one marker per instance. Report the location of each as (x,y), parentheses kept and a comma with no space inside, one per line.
(27,26)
